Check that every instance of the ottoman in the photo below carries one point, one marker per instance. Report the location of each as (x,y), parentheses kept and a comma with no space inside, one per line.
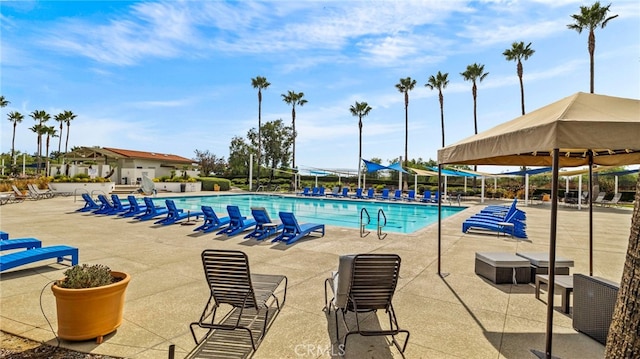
(540,263)
(501,267)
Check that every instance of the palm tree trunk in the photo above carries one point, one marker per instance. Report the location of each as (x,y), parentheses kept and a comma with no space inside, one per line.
(623,340)
(293,122)
(66,144)
(521,86)
(359,149)
(442,115)
(259,134)
(592,50)
(60,139)
(13,144)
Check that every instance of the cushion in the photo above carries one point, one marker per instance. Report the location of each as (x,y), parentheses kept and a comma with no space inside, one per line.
(502,259)
(541,259)
(342,280)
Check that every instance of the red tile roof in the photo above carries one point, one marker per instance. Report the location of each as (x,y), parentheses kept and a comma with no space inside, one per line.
(149,155)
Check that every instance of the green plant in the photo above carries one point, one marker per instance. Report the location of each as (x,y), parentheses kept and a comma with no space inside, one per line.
(86,276)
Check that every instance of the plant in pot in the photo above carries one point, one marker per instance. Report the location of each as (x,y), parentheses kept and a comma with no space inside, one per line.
(89,301)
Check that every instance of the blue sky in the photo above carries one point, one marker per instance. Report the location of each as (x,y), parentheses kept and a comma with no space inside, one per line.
(175,76)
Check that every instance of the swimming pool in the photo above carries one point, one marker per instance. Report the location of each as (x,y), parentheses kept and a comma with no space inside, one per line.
(401,217)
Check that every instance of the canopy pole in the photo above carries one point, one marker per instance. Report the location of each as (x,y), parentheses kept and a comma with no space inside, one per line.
(250,171)
(482,191)
(439,216)
(526,189)
(590,154)
(400,175)
(579,192)
(552,253)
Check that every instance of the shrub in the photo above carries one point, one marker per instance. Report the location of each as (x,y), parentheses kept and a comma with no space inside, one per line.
(86,276)
(209,182)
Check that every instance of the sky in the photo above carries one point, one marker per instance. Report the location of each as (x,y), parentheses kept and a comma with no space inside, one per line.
(175,76)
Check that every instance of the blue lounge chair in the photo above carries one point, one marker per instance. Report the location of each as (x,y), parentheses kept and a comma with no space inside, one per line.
(371,193)
(211,221)
(118,206)
(134,208)
(4,236)
(501,213)
(16,243)
(314,192)
(105,205)
(265,227)
(305,192)
(426,197)
(61,253)
(397,195)
(292,231)
(436,197)
(89,204)
(411,196)
(176,214)
(320,192)
(152,211)
(237,223)
(497,225)
(358,194)
(384,195)
(345,192)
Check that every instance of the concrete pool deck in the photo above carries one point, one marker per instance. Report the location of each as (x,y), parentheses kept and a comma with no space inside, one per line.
(459,316)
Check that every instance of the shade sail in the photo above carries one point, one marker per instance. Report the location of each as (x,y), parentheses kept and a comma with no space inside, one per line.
(608,126)
(421,172)
(372,167)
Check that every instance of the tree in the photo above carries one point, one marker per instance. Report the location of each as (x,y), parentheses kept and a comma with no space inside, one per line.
(41,116)
(517,53)
(259,83)
(473,73)
(440,82)
(50,131)
(61,118)
(209,163)
(623,340)
(238,156)
(15,117)
(590,18)
(4,102)
(360,109)
(277,142)
(292,98)
(404,86)
(68,117)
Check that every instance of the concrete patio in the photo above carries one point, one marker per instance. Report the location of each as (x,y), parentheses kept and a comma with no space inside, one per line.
(459,316)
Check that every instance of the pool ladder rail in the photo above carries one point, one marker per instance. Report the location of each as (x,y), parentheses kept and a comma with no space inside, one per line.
(382,222)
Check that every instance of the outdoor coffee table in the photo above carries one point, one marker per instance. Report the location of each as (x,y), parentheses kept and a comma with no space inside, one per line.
(563,283)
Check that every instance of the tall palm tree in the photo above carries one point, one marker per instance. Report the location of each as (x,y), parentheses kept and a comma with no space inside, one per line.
(404,86)
(292,98)
(259,83)
(41,116)
(590,18)
(360,109)
(4,102)
(517,53)
(69,116)
(50,131)
(440,82)
(61,117)
(474,73)
(15,117)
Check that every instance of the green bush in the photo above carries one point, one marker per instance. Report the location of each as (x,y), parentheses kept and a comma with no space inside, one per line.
(209,182)
(86,276)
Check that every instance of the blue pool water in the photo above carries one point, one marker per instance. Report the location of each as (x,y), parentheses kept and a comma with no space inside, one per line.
(401,217)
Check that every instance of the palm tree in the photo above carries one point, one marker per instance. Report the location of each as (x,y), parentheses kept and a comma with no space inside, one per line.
(517,53)
(50,131)
(590,18)
(622,339)
(360,109)
(15,117)
(4,102)
(259,83)
(41,116)
(440,82)
(292,98)
(404,86)
(473,73)
(69,116)
(61,117)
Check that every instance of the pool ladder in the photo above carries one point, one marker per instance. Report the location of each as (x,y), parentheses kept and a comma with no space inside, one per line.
(382,222)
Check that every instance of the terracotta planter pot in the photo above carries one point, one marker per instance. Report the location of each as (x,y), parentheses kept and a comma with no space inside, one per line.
(91,312)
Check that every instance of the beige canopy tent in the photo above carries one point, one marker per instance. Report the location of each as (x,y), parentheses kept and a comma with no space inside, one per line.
(582,129)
